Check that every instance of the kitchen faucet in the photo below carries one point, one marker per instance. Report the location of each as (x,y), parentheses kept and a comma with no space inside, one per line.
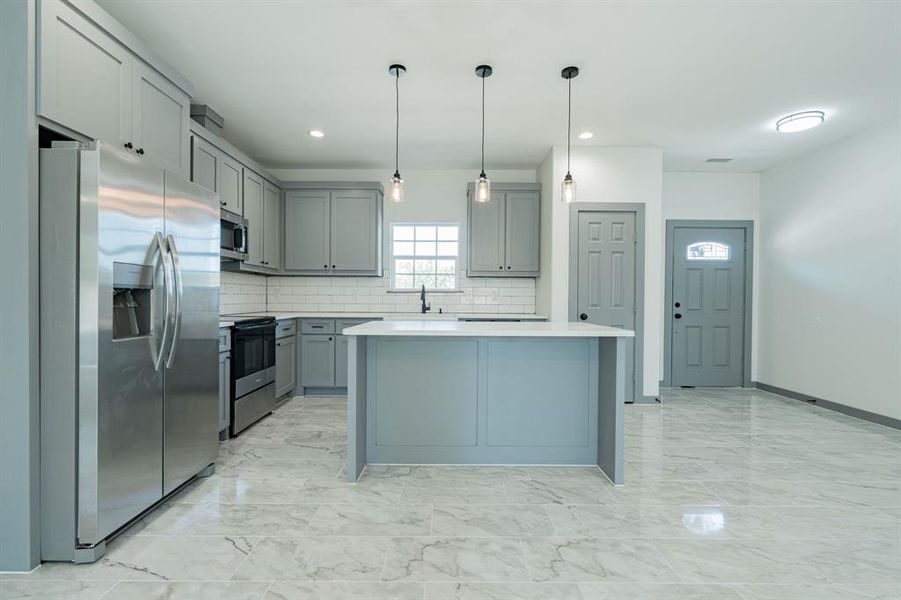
(425,307)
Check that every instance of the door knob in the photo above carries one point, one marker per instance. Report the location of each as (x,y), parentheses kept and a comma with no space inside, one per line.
(677,316)
(583,317)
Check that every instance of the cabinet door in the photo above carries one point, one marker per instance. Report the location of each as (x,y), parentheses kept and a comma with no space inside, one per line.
(84,78)
(284,366)
(253,212)
(340,361)
(355,227)
(231,189)
(160,113)
(522,232)
(317,360)
(224,390)
(271,230)
(486,235)
(307,231)
(205,165)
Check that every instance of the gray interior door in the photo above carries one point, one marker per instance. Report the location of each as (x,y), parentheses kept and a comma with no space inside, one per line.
(708,275)
(606,285)
(191,401)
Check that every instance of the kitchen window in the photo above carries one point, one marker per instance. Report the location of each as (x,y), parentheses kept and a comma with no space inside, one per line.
(425,254)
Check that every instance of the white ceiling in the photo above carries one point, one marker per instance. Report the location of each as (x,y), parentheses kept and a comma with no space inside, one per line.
(698,79)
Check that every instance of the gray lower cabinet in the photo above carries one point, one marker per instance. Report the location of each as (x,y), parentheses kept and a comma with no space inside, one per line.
(333,231)
(504,234)
(225,380)
(285,357)
(91,83)
(341,361)
(317,360)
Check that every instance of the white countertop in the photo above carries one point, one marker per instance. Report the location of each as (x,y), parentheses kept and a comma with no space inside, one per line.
(431,317)
(477,329)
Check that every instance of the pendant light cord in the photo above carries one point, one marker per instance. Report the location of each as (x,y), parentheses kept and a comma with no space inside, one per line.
(396,121)
(483,125)
(569,117)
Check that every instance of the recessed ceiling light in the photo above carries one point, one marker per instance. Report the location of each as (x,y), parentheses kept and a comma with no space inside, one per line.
(800,121)
(316,133)
(586,135)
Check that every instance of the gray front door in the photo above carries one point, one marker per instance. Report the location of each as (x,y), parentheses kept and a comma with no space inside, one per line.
(606,285)
(708,278)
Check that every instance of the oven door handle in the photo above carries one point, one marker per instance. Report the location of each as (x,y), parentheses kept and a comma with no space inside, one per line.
(179,299)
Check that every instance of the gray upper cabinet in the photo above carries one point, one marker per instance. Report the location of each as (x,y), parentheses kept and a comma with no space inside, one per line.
(231,188)
(307,231)
(205,164)
(88,81)
(160,120)
(333,231)
(271,230)
(355,231)
(253,212)
(504,234)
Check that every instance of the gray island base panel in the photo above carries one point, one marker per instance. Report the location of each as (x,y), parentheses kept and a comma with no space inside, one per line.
(485,394)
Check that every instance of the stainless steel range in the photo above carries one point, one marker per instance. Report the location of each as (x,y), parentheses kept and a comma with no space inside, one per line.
(253,371)
(129,341)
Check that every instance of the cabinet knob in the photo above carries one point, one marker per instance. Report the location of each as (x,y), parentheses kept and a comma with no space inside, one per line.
(129,145)
(325,266)
(330,339)
(508,267)
(140,151)
(501,268)
(677,316)
(583,317)
(333,266)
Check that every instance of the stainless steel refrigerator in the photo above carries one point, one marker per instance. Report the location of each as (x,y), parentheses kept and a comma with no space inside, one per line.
(129,261)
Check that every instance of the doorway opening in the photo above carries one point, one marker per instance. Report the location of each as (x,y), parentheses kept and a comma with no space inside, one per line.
(708,303)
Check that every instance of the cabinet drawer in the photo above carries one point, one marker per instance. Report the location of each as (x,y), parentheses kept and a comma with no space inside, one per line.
(317,326)
(225,339)
(285,328)
(342,324)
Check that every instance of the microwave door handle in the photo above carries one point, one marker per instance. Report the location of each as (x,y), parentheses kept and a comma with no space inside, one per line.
(179,297)
(167,304)
(239,239)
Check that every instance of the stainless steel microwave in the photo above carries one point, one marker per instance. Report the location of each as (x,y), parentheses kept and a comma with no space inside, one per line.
(233,236)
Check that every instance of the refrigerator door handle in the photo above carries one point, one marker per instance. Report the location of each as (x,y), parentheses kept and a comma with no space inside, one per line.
(167,279)
(179,295)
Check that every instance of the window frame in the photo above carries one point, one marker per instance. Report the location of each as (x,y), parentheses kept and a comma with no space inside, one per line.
(392,284)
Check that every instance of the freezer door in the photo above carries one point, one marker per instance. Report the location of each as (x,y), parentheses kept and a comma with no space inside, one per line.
(122,304)
(191,404)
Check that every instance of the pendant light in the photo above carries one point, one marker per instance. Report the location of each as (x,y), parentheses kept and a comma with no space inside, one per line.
(396,185)
(483,185)
(568,188)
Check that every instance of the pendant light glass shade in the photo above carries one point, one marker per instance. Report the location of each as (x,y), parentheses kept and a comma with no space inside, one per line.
(568,187)
(483,188)
(396,189)
(483,184)
(396,192)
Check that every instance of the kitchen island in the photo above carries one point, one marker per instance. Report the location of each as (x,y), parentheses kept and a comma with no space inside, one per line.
(439,392)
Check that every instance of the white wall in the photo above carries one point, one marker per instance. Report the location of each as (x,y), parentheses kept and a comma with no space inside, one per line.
(719,196)
(605,174)
(830,277)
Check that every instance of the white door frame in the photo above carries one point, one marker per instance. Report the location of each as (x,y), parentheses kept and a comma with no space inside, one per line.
(671,226)
(637,209)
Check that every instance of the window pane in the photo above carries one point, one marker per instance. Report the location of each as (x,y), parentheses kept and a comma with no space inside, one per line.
(403,282)
(425,266)
(446,267)
(448,233)
(403,266)
(448,248)
(424,280)
(707,251)
(403,248)
(425,233)
(403,232)
(445,282)
(425,248)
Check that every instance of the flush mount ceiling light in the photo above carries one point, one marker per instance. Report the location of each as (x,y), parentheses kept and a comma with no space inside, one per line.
(586,135)
(396,185)
(316,133)
(483,185)
(568,187)
(800,121)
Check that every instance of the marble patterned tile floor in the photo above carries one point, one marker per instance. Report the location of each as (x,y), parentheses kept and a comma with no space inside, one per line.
(732,494)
